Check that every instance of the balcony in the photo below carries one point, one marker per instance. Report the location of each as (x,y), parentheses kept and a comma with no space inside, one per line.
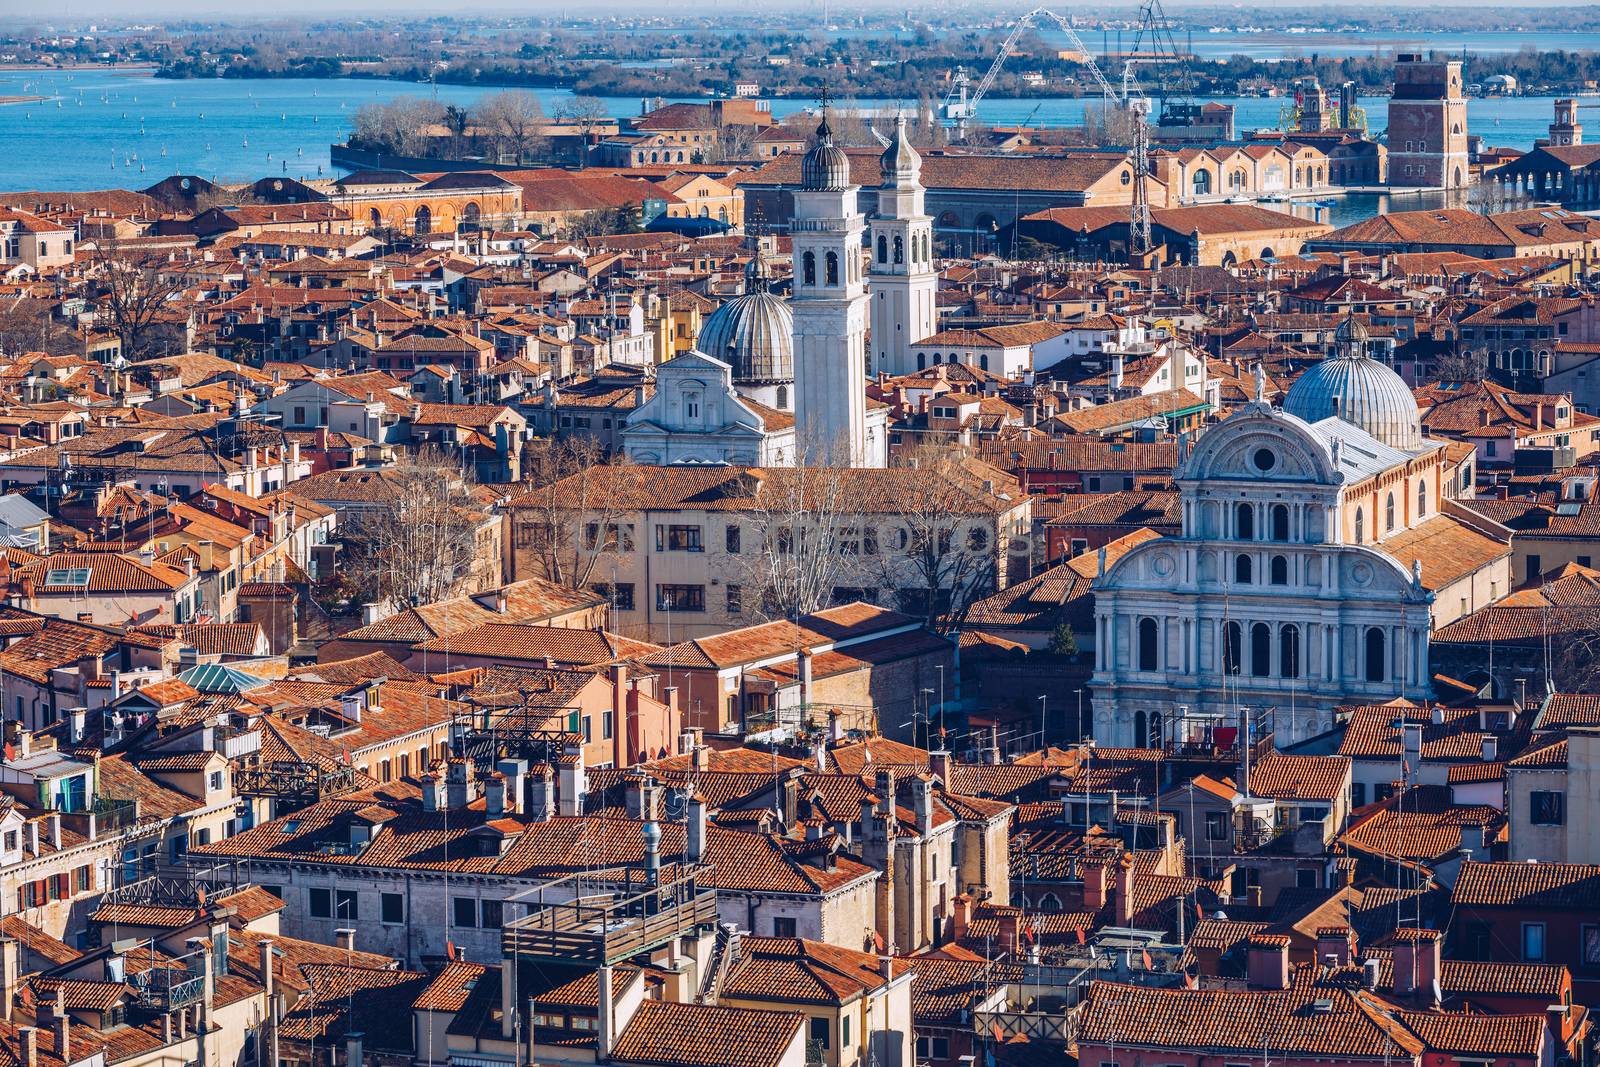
(172,986)
(606,919)
(112,814)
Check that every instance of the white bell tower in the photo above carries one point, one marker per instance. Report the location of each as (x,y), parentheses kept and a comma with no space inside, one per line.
(830,313)
(903,281)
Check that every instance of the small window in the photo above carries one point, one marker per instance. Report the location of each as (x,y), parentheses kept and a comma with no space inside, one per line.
(1243,569)
(1216,826)
(782,927)
(1547,808)
(346,905)
(321,903)
(731,539)
(492,913)
(464,911)
(392,908)
(1279,573)
(1265,459)
(1533,942)
(819,1032)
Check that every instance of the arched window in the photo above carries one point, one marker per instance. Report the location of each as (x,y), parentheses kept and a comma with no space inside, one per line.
(899,249)
(1361,526)
(1260,650)
(1139,731)
(783,398)
(1232,638)
(1202,182)
(1289,651)
(809,267)
(1422,499)
(1149,645)
(1375,654)
(883,249)
(1280,522)
(376,220)
(983,361)
(1244,522)
(833,268)
(424,220)
(1388,514)
(922,361)
(1278,571)
(1242,569)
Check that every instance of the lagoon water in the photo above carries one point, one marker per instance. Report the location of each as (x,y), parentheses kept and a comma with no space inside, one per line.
(100,129)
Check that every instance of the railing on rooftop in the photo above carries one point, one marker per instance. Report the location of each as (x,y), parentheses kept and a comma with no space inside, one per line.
(293,780)
(113,813)
(607,918)
(169,985)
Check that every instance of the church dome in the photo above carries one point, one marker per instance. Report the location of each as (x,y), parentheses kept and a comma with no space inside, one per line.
(1359,390)
(900,164)
(753,333)
(825,166)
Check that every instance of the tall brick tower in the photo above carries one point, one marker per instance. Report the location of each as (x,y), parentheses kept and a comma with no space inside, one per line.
(1427,124)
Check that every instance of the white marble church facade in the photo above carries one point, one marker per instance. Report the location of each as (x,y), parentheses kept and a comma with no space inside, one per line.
(1298,582)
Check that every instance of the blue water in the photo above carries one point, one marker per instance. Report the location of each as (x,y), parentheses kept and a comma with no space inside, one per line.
(102,129)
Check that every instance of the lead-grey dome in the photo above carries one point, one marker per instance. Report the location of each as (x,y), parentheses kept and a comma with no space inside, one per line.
(825,166)
(1359,390)
(753,333)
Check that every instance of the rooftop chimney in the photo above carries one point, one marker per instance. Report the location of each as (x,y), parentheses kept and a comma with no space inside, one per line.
(1269,961)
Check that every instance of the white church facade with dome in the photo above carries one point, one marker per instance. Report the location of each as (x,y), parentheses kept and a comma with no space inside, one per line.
(1319,549)
(776,383)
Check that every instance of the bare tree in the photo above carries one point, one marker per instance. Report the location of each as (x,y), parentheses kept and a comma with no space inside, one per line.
(568,520)
(950,537)
(421,545)
(585,112)
(399,127)
(133,298)
(805,535)
(735,143)
(27,325)
(1465,365)
(514,120)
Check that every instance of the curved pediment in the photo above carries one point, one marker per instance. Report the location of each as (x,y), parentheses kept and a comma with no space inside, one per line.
(1264,444)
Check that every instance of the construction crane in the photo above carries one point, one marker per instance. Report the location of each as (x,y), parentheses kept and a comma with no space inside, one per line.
(1154,44)
(958,106)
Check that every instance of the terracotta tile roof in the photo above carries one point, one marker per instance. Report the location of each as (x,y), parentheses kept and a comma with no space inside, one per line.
(450,987)
(1460,1034)
(800,971)
(1354,1025)
(1570,709)
(1554,886)
(1373,732)
(1061,595)
(1474,978)
(865,756)
(50,949)
(1446,547)
(1283,777)
(516,641)
(667,1034)
(766,640)
(1550,752)
(1420,824)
